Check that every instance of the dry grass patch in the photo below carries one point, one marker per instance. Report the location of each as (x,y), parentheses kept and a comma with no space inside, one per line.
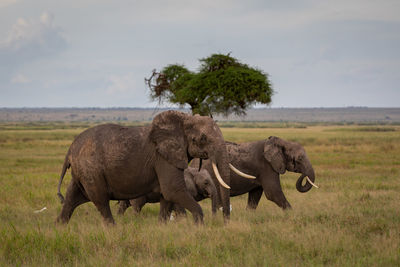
(352,220)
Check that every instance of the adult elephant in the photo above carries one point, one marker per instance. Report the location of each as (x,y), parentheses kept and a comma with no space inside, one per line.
(113,162)
(198,182)
(265,160)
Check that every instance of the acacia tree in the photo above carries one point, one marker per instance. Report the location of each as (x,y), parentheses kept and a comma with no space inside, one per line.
(222,85)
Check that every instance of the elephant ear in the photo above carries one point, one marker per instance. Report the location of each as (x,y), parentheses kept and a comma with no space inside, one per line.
(274,155)
(168,136)
(189,174)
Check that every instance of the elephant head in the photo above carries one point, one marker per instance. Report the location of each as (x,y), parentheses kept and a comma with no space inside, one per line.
(201,185)
(285,155)
(179,137)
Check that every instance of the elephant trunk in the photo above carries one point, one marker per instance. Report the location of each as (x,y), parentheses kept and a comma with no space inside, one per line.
(223,166)
(310,179)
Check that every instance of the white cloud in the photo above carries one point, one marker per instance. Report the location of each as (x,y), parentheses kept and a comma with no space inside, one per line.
(20,79)
(119,84)
(6,3)
(387,10)
(28,41)
(307,46)
(258,14)
(41,34)
(314,12)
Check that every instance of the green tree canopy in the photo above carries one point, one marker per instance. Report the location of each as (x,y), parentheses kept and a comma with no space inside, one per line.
(222,85)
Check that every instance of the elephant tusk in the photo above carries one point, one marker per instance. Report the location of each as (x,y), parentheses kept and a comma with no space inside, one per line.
(248,176)
(308,179)
(215,169)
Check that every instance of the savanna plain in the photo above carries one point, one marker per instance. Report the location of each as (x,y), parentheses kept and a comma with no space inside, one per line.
(353,219)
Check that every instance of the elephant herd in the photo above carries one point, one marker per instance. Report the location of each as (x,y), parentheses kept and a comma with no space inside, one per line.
(139,165)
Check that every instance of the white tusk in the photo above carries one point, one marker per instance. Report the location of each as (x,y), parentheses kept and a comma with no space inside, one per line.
(308,179)
(215,169)
(248,176)
(37,211)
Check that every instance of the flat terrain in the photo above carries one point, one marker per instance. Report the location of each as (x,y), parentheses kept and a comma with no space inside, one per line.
(352,220)
(349,115)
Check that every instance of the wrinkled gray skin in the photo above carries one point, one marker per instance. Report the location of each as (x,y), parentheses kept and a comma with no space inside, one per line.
(199,184)
(112,162)
(267,159)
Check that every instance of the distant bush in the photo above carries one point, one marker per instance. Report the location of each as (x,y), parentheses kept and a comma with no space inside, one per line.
(364,129)
(376,129)
(250,124)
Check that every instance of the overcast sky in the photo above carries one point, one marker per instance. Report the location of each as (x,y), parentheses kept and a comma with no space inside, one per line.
(96,53)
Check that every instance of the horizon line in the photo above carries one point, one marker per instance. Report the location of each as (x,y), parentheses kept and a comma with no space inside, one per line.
(178,108)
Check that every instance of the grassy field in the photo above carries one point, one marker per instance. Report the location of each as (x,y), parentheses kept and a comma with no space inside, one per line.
(352,220)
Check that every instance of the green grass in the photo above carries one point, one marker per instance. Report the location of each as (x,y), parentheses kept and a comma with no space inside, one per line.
(366,129)
(352,220)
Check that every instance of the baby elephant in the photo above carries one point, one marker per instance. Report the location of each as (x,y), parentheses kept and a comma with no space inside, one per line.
(198,183)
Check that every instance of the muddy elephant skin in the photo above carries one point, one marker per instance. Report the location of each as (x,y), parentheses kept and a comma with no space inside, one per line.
(113,162)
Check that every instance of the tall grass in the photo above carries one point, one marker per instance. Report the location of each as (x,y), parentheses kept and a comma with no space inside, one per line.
(352,220)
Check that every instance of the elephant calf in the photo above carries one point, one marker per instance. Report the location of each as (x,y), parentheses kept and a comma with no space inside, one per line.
(199,184)
(265,160)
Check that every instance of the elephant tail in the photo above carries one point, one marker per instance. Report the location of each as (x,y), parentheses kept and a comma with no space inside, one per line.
(66,165)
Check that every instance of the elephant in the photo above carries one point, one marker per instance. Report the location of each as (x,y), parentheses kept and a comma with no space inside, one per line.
(113,162)
(198,182)
(265,160)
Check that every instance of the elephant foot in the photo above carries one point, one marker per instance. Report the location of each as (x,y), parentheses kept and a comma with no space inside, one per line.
(61,220)
(198,219)
(251,207)
(109,221)
(105,211)
(286,206)
(227,220)
(162,219)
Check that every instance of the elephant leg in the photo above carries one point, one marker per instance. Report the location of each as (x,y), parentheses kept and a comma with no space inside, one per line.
(179,210)
(104,208)
(138,203)
(225,200)
(165,210)
(254,197)
(73,198)
(123,205)
(173,189)
(186,201)
(98,193)
(273,191)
